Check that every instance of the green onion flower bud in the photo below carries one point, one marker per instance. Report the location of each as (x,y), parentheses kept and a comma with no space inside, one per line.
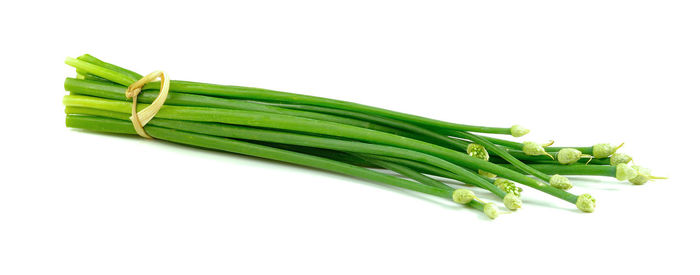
(535,149)
(518,131)
(491,210)
(487,174)
(478,151)
(618,158)
(625,172)
(604,150)
(560,182)
(463,196)
(512,201)
(507,186)
(585,203)
(643,175)
(568,156)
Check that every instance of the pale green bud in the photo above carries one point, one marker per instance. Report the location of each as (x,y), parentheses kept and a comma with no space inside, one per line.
(477,151)
(560,182)
(518,131)
(585,203)
(507,186)
(604,150)
(463,196)
(487,174)
(480,152)
(535,149)
(625,172)
(643,175)
(618,158)
(491,210)
(568,156)
(512,202)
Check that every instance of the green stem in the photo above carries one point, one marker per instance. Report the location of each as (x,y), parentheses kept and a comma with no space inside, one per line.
(438,138)
(257,119)
(417,176)
(575,169)
(245,148)
(353,159)
(407,172)
(319,152)
(546,160)
(113,91)
(422,167)
(505,155)
(91,59)
(284,122)
(362,162)
(309,125)
(427,168)
(239,132)
(250,93)
(519,146)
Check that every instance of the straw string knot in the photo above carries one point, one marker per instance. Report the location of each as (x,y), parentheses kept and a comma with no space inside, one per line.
(140,118)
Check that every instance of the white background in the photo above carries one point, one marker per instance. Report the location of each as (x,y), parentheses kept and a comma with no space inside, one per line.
(579,72)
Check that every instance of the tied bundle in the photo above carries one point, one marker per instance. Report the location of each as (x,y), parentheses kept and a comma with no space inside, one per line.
(417,153)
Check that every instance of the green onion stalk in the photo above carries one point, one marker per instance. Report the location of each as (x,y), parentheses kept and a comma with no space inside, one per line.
(104,124)
(343,137)
(110,90)
(87,64)
(248,133)
(439,156)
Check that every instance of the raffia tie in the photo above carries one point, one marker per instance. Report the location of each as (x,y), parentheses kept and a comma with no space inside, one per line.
(141,118)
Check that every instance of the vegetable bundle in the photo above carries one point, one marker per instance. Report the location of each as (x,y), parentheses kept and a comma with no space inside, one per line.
(403,150)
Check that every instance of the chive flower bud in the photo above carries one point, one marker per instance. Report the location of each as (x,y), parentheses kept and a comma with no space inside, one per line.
(477,151)
(643,175)
(535,149)
(507,186)
(585,203)
(618,158)
(487,174)
(604,150)
(463,196)
(625,172)
(480,152)
(512,202)
(568,156)
(518,131)
(560,182)
(491,210)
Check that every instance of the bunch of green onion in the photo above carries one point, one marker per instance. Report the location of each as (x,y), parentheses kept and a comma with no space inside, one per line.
(421,154)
